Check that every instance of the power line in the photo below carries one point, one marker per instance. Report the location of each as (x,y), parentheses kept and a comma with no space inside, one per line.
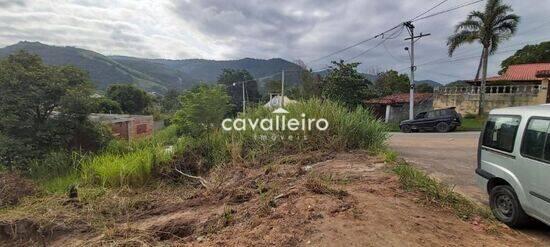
(418,17)
(432,8)
(353,45)
(446,59)
(391,36)
(449,10)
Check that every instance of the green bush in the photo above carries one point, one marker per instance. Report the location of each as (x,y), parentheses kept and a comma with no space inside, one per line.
(203,109)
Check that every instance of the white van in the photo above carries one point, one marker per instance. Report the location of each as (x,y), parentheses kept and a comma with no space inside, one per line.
(514,163)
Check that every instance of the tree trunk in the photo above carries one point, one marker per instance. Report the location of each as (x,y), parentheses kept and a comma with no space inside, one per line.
(483,81)
(479,67)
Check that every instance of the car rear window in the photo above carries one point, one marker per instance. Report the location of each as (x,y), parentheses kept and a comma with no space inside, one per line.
(535,140)
(500,132)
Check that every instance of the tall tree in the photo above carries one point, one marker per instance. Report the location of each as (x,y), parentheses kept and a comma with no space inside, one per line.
(42,108)
(233,79)
(489,28)
(132,100)
(528,54)
(344,84)
(391,82)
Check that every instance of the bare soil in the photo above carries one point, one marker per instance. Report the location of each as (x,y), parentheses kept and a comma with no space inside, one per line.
(350,199)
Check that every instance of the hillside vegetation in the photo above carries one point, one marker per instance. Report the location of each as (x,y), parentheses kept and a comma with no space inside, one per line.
(153,75)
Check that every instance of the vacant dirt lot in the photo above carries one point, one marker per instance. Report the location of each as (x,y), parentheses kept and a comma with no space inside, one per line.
(350,199)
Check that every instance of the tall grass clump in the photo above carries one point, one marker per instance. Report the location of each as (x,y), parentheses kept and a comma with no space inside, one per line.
(132,168)
(129,162)
(348,129)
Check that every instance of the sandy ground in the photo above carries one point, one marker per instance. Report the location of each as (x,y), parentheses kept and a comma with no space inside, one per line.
(450,157)
(347,200)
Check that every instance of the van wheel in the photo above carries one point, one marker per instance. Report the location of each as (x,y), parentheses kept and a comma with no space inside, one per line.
(406,128)
(506,207)
(442,127)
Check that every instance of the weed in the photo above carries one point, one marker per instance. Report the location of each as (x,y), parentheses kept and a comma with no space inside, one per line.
(316,185)
(413,179)
(227,216)
(390,156)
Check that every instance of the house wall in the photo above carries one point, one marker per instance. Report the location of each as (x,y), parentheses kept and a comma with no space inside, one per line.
(140,126)
(466,101)
(399,113)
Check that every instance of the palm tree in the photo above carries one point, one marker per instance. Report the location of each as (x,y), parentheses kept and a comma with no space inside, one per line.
(489,28)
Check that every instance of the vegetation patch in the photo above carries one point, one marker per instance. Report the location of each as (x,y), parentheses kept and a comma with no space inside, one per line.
(437,193)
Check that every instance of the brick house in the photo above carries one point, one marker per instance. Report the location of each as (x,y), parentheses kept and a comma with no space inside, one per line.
(126,127)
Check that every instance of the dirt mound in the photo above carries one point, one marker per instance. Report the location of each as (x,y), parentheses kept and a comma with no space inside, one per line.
(347,200)
(13,187)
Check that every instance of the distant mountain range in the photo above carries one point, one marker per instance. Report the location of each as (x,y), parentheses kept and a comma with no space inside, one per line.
(153,75)
(160,75)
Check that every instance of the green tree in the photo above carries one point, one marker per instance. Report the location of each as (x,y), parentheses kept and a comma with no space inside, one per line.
(489,28)
(42,108)
(528,54)
(106,105)
(457,84)
(424,88)
(345,85)
(202,109)
(391,82)
(170,102)
(131,99)
(233,79)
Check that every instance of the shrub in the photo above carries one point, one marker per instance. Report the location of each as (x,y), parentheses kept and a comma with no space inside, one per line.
(203,109)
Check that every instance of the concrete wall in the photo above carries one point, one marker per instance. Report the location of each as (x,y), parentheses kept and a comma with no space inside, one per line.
(399,113)
(466,100)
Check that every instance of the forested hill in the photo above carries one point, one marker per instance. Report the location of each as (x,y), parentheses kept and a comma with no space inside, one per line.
(156,75)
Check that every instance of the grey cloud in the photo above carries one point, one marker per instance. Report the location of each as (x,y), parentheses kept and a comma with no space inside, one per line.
(11,3)
(299,29)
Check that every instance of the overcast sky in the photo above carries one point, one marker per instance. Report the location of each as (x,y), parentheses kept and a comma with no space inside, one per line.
(296,29)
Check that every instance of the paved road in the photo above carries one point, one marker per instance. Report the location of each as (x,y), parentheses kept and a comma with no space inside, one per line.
(450,157)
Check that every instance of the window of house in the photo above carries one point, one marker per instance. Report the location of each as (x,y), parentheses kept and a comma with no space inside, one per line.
(500,132)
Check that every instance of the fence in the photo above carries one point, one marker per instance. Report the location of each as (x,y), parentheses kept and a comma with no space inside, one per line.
(525,90)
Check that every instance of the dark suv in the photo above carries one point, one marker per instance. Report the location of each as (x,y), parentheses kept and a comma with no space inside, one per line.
(441,120)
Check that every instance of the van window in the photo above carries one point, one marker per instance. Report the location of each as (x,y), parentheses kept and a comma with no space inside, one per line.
(534,138)
(500,132)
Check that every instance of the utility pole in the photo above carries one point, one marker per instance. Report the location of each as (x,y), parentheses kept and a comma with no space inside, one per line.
(244,97)
(283,88)
(410,28)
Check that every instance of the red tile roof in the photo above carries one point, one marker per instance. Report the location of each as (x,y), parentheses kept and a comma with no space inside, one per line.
(522,72)
(399,98)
